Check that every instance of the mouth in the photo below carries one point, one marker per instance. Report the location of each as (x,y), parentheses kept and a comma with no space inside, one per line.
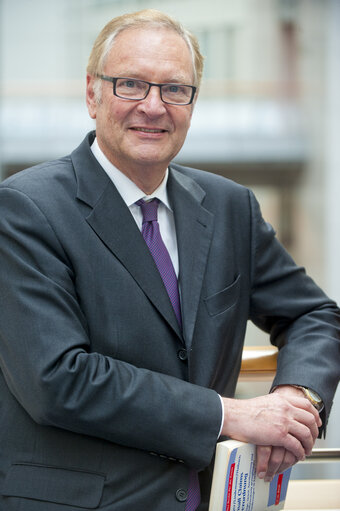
(148,130)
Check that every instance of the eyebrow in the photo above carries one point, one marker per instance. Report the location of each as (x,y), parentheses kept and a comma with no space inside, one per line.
(177,79)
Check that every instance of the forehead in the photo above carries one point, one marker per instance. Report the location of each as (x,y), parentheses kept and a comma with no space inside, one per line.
(150,51)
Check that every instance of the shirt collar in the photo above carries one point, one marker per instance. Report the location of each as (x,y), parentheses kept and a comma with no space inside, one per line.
(127,188)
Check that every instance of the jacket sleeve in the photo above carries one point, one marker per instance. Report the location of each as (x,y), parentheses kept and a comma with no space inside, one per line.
(302,321)
(48,364)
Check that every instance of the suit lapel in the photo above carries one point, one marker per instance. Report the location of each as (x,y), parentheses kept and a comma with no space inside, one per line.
(112,221)
(194,228)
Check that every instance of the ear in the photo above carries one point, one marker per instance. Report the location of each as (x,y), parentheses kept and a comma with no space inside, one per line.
(90,97)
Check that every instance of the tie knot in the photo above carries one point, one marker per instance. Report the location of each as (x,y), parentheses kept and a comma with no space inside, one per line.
(149,209)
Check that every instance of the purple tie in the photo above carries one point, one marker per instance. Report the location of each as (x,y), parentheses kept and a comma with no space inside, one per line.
(153,239)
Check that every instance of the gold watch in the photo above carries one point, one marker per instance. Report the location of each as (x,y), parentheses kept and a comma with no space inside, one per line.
(312,396)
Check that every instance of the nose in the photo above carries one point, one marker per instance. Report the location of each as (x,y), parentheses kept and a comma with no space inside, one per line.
(153,105)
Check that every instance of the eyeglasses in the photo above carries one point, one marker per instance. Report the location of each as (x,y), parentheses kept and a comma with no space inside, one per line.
(137,90)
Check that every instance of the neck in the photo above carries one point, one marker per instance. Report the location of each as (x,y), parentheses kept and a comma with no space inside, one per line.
(147,180)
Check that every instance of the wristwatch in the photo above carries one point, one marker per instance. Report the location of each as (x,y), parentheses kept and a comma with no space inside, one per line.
(312,396)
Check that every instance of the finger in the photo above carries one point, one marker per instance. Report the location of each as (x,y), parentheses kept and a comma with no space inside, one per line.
(263,453)
(280,460)
(274,463)
(288,461)
(293,445)
(308,419)
(300,424)
(310,425)
(303,434)
(304,404)
(309,416)
(315,413)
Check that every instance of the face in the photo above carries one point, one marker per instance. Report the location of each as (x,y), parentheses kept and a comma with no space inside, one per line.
(141,137)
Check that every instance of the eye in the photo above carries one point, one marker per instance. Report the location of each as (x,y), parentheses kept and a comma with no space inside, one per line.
(173,88)
(176,90)
(130,84)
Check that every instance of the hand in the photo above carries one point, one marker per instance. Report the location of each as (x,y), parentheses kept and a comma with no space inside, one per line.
(273,460)
(284,424)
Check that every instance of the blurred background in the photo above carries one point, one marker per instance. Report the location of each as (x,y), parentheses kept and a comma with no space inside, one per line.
(268,115)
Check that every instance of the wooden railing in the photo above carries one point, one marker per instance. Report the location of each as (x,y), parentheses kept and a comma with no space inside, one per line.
(258,363)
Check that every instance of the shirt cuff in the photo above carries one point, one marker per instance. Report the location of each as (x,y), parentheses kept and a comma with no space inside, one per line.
(222,409)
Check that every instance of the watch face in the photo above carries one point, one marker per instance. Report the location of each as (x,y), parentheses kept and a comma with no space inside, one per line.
(314,398)
(314,395)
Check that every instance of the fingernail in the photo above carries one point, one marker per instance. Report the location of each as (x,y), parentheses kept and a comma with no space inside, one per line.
(261,475)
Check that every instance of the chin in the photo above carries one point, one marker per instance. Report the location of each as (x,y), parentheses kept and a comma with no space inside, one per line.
(152,158)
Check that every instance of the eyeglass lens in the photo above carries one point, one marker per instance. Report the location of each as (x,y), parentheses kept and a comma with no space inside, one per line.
(138,89)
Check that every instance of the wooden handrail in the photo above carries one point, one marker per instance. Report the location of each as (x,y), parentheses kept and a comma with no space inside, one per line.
(258,363)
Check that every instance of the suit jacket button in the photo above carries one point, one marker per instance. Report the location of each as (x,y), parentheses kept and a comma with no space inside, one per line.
(181,495)
(182,355)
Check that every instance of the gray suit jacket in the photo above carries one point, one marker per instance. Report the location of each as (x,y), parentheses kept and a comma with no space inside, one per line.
(104,403)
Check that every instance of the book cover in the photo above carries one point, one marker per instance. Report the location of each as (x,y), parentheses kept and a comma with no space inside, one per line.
(235,486)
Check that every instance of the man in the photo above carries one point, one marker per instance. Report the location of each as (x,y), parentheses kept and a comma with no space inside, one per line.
(116,381)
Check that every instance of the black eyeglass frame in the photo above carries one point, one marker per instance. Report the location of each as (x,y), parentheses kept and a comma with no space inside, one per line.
(113,80)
